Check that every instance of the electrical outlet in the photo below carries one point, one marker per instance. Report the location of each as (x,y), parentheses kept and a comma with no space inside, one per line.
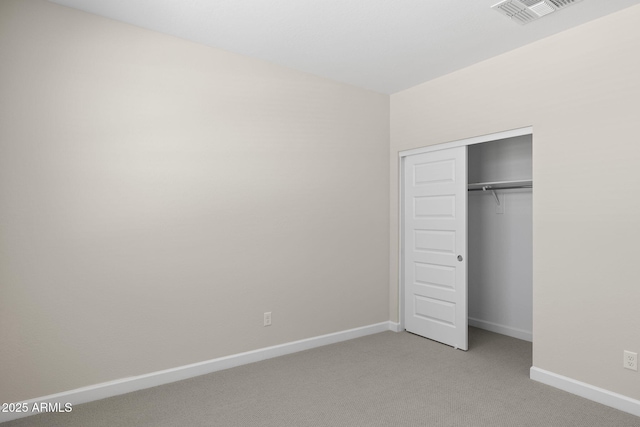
(267,318)
(630,360)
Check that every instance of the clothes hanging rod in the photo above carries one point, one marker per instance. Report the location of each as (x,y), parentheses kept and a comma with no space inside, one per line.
(500,185)
(489,187)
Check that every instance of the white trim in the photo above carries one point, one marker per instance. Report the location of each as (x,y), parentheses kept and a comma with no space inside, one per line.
(396,327)
(127,385)
(528,130)
(401,243)
(501,329)
(588,391)
(469,141)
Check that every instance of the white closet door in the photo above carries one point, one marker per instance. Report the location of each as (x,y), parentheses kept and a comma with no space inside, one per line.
(435,245)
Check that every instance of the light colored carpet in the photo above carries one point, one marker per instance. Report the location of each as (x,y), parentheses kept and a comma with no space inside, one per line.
(387,379)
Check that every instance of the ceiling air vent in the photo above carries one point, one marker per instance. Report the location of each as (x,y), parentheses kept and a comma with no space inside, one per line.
(525,11)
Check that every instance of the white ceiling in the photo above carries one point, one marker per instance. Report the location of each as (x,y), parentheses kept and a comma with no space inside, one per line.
(381,45)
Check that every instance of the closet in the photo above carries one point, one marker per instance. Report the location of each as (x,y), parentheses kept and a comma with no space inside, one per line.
(466,238)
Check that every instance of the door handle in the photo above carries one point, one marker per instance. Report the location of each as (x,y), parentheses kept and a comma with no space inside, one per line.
(459,257)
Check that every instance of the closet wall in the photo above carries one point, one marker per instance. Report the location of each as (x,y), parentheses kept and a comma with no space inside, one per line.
(500,239)
(579,90)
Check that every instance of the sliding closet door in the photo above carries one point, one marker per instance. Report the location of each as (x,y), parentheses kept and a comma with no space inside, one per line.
(435,245)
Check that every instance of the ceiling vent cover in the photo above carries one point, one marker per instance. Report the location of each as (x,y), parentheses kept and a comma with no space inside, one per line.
(525,11)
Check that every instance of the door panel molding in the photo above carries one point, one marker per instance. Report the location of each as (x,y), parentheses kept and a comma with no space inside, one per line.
(436,282)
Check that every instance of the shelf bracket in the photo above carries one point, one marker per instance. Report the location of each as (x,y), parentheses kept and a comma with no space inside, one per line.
(488,187)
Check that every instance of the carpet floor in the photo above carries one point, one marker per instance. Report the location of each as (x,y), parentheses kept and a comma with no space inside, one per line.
(386,379)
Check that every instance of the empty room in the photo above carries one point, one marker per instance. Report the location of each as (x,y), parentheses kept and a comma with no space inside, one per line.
(319,213)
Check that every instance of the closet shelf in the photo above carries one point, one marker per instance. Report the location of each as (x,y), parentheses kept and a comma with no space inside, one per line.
(500,185)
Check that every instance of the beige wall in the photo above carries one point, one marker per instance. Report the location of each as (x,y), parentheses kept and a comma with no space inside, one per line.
(580,90)
(157,196)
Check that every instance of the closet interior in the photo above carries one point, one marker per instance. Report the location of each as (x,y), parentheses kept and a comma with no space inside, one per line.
(500,272)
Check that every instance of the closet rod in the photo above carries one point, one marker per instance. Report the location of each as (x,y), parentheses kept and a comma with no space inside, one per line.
(500,185)
(489,187)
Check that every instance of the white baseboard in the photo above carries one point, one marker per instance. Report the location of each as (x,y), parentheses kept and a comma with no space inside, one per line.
(588,391)
(127,385)
(395,327)
(502,329)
